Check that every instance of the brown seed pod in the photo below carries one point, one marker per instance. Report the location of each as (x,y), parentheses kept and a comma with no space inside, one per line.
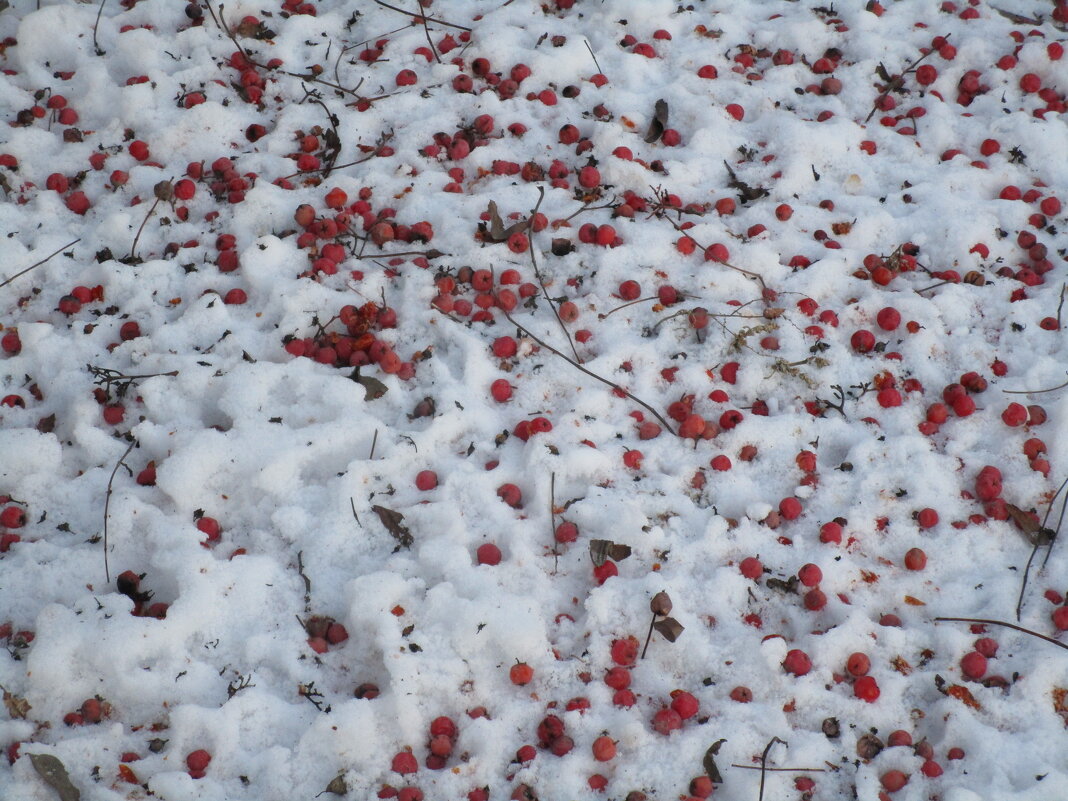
(975,278)
(164,191)
(660,604)
(869,746)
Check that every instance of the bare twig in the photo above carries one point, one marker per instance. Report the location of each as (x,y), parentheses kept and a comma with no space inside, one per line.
(144,222)
(552,521)
(352,503)
(96,24)
(899,80)
(107,504)
(779,770)
(1045,537)
(429,41)
(764,764)
(39,263)
(374,441)
(1060,305)
(1034,391)
(591,374)
(307,581)
(593,55)
(537,273)
(1002,623)
(417,16)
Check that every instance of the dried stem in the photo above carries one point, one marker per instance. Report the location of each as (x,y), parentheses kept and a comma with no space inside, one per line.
(764,764)
(593,55)
(1039,542)
(39,263)
(1002,623)
(552,521)
(649,636)
(899,80)
(1060,305)
(352,503)
(96,24)
(107,505)
(537,273)
(779,770)
(1034,391)
(429,41)
(374,441)
(144,222)
(307,581)
(425,18)
(591,374)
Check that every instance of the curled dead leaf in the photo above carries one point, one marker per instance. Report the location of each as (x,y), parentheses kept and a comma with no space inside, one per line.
(670,628)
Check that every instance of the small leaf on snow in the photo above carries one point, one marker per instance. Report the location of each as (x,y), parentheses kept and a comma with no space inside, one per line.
(914,601)
(337,786)
(374,388)
(600,550)
(16,707)
(1032,530)
(1060,702)
(901,665)
(670,628)
(964,695)
(709,762)
(659,121)
(393,522)
(51,769)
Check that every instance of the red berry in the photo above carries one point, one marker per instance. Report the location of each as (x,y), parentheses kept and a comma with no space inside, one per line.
(927,518)
(973,665)
(815,599)
(797,662)
(198,760)
(625,651)
(915,559)
(511,495)
(862,341)
(751,567)
(488,554)
(1059,616)
(684,703)
(858,664)
(426,480)
(831,532)
(1015,414)
(604,749)
(404,762)
(521,673)
(810,575)
(566,532)
(893,780)
(888,318)
(741,695)
(667,720)
(866,689)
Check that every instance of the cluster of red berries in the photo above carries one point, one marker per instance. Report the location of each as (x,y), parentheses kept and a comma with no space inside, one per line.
(252,83)
(358,346)
(453,288)
(92,710)
(129,584)
(11,517)
(324,631)
(669,718)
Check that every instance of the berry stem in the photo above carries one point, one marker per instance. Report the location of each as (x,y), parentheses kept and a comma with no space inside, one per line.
(1002,623)
(649,636)
(1019,391)
(537,273)
(420,16)
(764,764)
(107,504)
(591,374)
(39,263)
(96,24)
(144,222)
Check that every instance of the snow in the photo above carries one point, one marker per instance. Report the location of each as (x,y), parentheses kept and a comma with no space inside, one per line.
(292,457)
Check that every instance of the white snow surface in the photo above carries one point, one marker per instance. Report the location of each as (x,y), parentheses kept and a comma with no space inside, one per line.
(290,457)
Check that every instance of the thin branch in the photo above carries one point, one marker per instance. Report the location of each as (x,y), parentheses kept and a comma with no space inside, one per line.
(1060,305)
(779,770)
(1060,519)
(96,24)
(38,264)
(1002,623)
(537,273)
(352,503)
(374,441)
(307,581)
(592,55)
(431,19)
(107,505)
(591,374)
(429,41)
(1034,391)
(552,520)
(899,80)
(144,222)
(764,764)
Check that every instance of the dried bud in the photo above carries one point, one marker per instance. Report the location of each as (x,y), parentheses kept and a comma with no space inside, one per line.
(660,604)
(164,191)
(832,728)
(975,278)
(869,746)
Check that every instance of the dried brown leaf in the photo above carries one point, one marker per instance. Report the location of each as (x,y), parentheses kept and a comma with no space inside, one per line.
(393,522)
(54,774)
(670,628)
(1031,528)
(373,388)
(659,121)
(709,762)
(17,706)
(600,550)
(964,695)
